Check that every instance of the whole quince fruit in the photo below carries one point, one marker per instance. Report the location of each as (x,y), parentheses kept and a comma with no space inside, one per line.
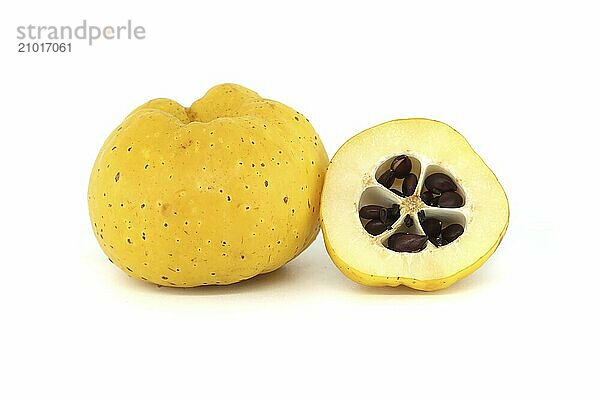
(215,193)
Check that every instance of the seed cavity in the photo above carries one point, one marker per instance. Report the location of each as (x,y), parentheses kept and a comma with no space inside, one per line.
(400,175)
(378,219)
(418,206)
(441,192)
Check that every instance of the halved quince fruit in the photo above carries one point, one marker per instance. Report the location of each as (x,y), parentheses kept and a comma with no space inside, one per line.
(409,202)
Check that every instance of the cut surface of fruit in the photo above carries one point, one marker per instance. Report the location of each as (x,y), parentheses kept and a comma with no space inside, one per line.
(450,210)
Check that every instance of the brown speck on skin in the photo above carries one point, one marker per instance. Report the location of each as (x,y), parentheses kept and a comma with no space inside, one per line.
(146,166)
(285,199)
(129,149)
(129,241)
(266,183)
(142,205)
(164,277)
(296,118)
(117,176)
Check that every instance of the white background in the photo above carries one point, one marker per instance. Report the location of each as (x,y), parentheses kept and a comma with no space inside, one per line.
(518,79)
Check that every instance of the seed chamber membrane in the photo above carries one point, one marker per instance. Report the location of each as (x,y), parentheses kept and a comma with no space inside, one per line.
(414,212)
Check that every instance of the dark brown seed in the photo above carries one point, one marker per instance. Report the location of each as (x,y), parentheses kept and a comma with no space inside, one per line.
(387,178)
(450,200)
(432,228)
(434,201)
(407,242)
(452,232)
(392,240)
(440,183)
(427,197)
(372,212)
(397,192)
(421,216)
(393,213)
(401,166)
(408,222)
(409,184)
(376,227)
